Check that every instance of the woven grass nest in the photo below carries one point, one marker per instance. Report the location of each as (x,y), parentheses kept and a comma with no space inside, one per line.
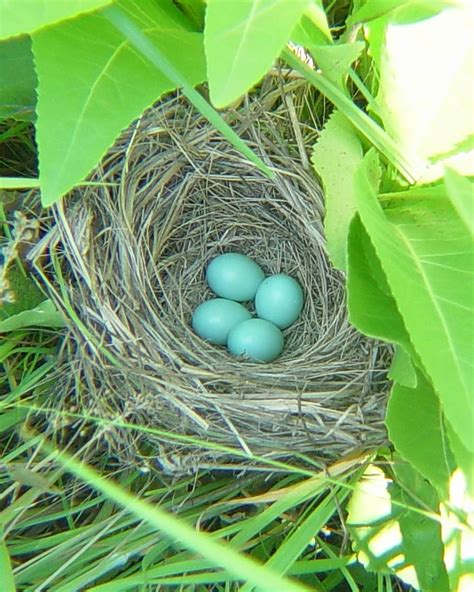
(171,195)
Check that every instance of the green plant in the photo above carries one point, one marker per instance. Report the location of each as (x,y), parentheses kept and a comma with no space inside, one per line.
(399,215)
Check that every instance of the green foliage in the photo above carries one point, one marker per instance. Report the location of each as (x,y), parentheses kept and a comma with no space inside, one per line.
(17,79)
(104,84)
(44,314)
(335,158)
(416,428)
(428,258)
(461,193)
(25,16)
(425,70)
(239,50)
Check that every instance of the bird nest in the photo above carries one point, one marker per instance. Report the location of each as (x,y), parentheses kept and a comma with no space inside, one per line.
(131,250)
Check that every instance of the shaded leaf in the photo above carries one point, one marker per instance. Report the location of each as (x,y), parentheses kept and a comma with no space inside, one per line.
(416,429)
(25,16)
(104,83)
(336,156)
(422,543)
(43,315)
(17,79)
(461,193)
(372,307)
(402,369)
(428,259)
(23,289)
(239,48)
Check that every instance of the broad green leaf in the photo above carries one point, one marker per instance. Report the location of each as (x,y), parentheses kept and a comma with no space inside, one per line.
(422,543)
(335,60)
(415,427)
(306,34)
(43,315)
(336,156)
(194,10)
(166,66)
(425,87)
(6,569)
(409,10)
(25,16)
(402,369)
(93,83)
(428,258)
(17,79)
(242,39)
(461,193)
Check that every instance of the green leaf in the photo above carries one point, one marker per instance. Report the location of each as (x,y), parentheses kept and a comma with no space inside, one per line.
(372,307)
(461,193)
(17,79)
(242,39)
(422,543)
(428,258)
(402,369)
(43,315)
(6,569)
(415,427)
(409,10)
(425,86)
(336,156)
(25,16)
(23,289)
(93,83)
(464,458)
(335,60)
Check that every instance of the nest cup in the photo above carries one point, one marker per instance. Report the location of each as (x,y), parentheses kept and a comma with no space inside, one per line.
(170,196)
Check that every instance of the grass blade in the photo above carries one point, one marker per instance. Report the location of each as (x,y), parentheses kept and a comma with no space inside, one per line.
(8,581)
(238,565)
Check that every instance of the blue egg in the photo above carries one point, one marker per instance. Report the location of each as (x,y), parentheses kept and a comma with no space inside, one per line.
(256,339)
(234,276)
(213,320)
(279,299)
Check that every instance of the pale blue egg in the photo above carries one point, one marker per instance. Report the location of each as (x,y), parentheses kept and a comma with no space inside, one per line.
(256,339)
(279,299)
(234,276)
(213,320)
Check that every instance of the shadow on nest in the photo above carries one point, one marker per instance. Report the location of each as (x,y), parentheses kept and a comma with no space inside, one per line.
(133,248)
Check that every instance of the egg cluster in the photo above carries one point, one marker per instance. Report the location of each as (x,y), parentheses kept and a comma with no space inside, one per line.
(236,278)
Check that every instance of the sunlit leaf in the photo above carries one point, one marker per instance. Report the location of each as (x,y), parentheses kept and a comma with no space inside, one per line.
(426,92)
(242,39)
(461,193)
(336,156)
(428,259)
(25,16)
(103,84)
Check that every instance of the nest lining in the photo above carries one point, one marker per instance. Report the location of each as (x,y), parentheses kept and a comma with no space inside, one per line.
(173,194)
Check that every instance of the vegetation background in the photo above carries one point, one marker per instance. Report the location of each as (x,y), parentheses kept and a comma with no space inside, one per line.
(399,222)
